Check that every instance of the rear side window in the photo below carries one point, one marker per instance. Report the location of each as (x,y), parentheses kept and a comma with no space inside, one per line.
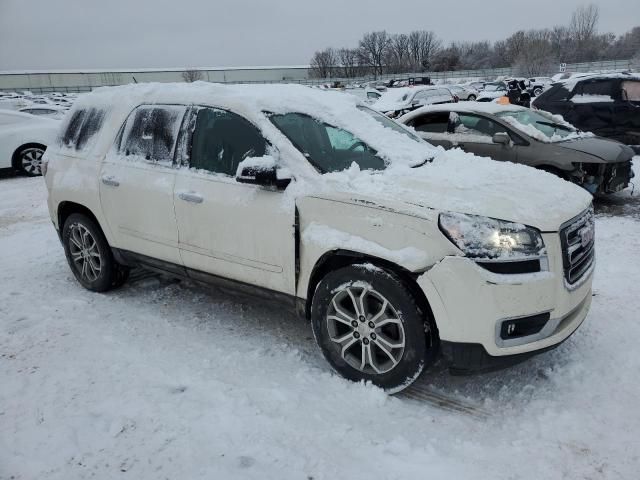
(150,133)
(631,91)
(599,87)
(81,128)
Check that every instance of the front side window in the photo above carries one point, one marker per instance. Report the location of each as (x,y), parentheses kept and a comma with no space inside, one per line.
(150,133)
(476,125)
(328,148)
(431,123)
(221,140)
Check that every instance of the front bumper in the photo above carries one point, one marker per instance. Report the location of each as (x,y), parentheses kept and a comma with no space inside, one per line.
(470,304)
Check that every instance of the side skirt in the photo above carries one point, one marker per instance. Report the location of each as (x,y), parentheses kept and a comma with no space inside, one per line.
(132,259)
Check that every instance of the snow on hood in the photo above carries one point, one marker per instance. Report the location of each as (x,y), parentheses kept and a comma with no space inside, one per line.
(462,182)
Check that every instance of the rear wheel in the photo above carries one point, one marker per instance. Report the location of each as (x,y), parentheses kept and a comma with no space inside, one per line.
(471,98)
(89,255)
(370,327)
(537,91)
(29,161)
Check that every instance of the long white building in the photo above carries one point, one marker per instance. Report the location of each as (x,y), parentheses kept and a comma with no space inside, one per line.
(82,80)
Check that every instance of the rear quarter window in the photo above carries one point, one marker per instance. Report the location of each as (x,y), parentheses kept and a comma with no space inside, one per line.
(81,129)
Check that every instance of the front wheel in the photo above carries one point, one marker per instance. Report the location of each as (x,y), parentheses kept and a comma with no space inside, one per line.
(370,327)
(471,98)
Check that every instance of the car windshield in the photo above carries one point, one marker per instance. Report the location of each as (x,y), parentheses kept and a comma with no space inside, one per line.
(387,122)
(494,87)
(527,119)
(327,148)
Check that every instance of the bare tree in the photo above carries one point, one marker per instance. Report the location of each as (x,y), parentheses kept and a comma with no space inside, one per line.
(423,45)
(323,63)
(192,75)
(536,56)
(348,58)
(373,48)
(584,32)
(398,53)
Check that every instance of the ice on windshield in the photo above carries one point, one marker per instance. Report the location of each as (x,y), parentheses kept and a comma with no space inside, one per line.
(544,128)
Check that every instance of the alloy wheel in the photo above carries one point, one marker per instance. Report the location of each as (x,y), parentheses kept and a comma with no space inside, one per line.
(366,328)
(31,160)
(84,252)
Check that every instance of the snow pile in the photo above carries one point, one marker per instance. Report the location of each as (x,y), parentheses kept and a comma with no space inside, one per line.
(168,380)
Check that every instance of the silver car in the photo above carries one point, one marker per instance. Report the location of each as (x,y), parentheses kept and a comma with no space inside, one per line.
(534,138)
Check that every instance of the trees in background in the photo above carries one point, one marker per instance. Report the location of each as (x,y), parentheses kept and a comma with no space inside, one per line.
(192,75)
(532,52)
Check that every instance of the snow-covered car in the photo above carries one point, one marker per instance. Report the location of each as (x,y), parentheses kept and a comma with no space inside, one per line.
(605,104)
(46,111)
(23,140)
(537,85)
(372,95)
(463,93)
(396,251)
(492,91)
(398,101)
(534,138)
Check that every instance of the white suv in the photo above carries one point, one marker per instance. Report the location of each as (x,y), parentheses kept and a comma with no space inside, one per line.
(397,252)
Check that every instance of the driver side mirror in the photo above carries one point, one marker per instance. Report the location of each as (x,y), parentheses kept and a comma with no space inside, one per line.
(501,138)
(264,172)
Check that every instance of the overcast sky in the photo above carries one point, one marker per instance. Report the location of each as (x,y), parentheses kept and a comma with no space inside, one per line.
(61,34)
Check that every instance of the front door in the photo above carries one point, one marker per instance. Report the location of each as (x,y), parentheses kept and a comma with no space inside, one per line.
(137,181)
(230,229)
(474,134)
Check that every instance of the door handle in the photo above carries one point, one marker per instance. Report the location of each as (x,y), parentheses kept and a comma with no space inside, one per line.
(190,197)
(110,181)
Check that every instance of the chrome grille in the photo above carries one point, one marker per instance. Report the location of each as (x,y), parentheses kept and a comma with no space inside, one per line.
(578,246)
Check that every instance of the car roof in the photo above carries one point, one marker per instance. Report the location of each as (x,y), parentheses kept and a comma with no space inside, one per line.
(464,107)
(572,81)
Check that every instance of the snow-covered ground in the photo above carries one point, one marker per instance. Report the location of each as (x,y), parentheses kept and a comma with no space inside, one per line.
(165,379)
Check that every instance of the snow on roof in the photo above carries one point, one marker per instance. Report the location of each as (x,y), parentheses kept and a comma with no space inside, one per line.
(252,101)
(463,107)
(571,82)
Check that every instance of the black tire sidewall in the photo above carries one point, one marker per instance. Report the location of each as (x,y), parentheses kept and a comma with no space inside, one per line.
(107,274)
(416,354)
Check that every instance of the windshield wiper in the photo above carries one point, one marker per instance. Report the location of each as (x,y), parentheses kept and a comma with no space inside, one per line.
(555,126)
(427,160)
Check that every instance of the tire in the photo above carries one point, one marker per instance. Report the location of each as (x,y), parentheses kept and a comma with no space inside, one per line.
(471,98)
(402,341)
(29,160)
(89,255)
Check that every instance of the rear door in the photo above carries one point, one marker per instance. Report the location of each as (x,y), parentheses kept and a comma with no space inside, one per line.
(229,229)
(627,111)
(137,181)
(593,106)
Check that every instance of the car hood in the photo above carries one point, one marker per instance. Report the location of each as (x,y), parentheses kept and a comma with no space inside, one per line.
(608,151)
(459,182)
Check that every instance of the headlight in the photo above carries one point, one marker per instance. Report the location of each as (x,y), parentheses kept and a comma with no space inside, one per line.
(490,239)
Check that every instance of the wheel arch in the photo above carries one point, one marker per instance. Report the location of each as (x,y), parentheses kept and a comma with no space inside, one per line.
(15,157)
(67,208)
(335,259)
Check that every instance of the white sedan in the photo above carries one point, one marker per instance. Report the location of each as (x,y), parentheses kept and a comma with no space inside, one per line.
(23,140)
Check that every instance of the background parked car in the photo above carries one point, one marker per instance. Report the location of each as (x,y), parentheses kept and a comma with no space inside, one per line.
(398,101)
(520,135)
(463,92)
(537,85)
(607,105)
(46,111)
(23,140)
(492,91)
